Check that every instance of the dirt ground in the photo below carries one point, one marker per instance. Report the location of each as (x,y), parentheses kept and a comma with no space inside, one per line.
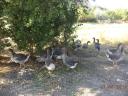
(94,76)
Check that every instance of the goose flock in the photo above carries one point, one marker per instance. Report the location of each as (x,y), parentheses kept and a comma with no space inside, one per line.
(60,53)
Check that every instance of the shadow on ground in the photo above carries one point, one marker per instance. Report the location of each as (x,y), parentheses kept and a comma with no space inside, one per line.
(94,76)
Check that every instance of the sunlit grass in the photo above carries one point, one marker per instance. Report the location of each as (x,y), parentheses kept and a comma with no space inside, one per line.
(107,33)
(85,92)
(4,69)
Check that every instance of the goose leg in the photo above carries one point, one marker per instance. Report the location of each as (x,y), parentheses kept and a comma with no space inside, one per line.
(24,66)
(20,66)
(113,63)
(117,65)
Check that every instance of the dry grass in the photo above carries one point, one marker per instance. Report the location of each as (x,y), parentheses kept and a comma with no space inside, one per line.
(107,33)
(4,69)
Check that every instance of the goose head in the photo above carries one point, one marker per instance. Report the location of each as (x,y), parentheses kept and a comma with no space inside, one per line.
(88,42)
(97,40)
(78,41)
(77,45)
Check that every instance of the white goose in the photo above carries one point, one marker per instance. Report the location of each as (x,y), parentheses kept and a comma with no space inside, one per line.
(68,61)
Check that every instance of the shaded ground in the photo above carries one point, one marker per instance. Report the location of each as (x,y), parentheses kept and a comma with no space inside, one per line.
(94,76)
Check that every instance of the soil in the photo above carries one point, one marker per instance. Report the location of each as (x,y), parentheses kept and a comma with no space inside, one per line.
(94,76)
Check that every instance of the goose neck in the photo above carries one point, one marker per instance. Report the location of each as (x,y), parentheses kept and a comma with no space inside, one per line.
(88,42)
(94,40)
(64,57)
(12,52)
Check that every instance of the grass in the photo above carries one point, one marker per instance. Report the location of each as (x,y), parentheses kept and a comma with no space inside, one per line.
(107,33)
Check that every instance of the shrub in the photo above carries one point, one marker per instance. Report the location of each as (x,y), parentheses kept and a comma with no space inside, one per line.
(36,23)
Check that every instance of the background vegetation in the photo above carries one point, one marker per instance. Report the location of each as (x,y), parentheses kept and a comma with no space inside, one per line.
(118,14)
(92,15)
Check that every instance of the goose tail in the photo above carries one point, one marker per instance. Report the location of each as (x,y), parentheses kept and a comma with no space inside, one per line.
(74,66)
(27,58)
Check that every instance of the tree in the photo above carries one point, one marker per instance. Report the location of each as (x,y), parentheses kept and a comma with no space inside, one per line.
(3,24)
(35,23)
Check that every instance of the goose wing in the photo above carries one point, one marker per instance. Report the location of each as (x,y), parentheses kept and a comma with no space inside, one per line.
(71,61)
(57,52)
(41,58)
(84,45)
(114,56)
(20,57)
(111,51)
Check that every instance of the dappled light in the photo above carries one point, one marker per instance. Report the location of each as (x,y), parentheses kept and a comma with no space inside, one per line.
(5,69)
(5,81)
(108,68)
(86,92)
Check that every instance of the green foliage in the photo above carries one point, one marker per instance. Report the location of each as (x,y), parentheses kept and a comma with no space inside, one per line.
(36,23)
(3,4)
(82,13)
(86,15)
(4,29)
(119,14)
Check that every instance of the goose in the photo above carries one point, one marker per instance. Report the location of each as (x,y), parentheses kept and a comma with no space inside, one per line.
(18,57)
(115,55)
(94,40)
(77,45)
(85,45)
(97,45)
(49,62)
(68,61)
(41,58)
(57,53)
